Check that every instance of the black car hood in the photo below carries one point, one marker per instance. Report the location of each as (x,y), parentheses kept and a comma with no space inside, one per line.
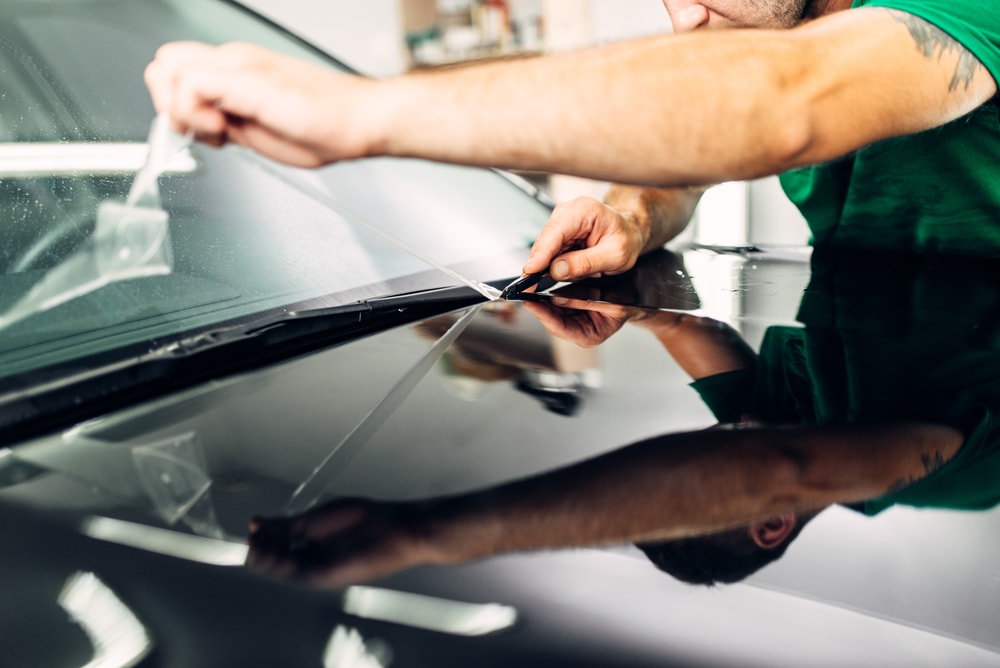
(457,402)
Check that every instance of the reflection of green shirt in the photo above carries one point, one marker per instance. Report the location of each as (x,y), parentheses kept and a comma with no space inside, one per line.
(970,481)
(887,338)
(933,191)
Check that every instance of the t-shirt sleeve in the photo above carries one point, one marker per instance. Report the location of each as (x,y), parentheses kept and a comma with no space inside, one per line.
(970,481)
(975,24)
(726,394)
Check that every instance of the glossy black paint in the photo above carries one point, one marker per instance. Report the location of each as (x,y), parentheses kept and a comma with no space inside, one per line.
(858,588)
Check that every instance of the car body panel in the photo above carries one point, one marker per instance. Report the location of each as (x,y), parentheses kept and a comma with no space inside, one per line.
(307,338)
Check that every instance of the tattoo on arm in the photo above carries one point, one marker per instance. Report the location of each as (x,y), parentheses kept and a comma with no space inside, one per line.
(935,43)
(932,461)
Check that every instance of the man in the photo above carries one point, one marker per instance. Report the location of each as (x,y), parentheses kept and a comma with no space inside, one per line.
(814,80)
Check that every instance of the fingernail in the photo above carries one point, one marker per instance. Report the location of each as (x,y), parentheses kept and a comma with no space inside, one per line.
(560,269)
(560,301)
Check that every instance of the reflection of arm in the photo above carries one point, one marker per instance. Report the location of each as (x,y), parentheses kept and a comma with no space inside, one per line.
(701,346)
(663,488)
(686,484)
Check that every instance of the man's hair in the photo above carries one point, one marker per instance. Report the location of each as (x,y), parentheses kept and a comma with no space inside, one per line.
(717,558)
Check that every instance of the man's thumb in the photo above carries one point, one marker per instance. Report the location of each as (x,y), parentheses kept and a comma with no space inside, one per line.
(576,265)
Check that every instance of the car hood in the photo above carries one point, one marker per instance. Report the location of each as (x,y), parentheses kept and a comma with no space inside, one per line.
(453,403)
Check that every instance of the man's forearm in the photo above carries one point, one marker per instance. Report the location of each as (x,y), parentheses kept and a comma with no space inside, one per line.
(682,110)
(634,112)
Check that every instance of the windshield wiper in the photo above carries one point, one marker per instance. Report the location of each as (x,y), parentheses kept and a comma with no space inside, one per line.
(48,399)
(300,328)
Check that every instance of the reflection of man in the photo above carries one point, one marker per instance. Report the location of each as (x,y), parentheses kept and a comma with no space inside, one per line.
(818,80)
(727,556)
(663,489)
(885,396)
(505,344)
(883,342)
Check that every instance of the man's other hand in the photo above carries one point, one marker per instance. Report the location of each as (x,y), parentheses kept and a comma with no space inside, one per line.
(287,109)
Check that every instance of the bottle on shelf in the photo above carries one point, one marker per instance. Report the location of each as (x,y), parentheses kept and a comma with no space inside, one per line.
(492,18)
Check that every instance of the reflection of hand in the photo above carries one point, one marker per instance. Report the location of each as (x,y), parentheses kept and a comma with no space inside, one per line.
(610,241)
(344,542)
(289,110)
(587,324)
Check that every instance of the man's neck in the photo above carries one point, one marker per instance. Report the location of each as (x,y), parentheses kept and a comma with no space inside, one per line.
(819,8)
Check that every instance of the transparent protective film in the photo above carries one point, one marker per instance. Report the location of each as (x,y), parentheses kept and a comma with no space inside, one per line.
(488,291)
(174,474)
(314,488)
(130,239)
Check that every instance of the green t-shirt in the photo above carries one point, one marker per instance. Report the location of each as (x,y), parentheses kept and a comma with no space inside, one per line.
(937,190)
(886,338)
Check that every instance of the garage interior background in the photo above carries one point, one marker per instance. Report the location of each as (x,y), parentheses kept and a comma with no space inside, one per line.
(389,37)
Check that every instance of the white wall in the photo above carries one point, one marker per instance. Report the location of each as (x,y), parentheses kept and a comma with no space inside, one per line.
(615,20)
(365,34)
(773,217)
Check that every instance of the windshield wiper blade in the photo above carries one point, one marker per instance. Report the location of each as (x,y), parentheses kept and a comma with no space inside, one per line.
(282,326)
(49,399)
(324,321)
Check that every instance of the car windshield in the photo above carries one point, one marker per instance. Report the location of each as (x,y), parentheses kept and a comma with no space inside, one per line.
(242,236)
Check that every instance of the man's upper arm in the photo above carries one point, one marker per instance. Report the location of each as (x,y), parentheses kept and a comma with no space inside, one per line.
(878,72)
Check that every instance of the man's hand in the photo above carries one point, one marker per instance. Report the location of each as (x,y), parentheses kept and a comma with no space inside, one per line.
(289,110)
(344,542)
(609,241)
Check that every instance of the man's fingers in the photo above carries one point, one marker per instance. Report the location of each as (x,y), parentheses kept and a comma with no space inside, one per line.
(163,72)
(610,245)
(608,257)
(201,86)
(604,258)
(550,242)
(570,224)
(205,100)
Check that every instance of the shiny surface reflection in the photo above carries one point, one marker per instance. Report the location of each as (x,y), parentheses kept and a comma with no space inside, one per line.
(679,418)
(883,395)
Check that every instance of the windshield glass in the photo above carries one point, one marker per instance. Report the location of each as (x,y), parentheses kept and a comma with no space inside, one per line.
(240,236)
